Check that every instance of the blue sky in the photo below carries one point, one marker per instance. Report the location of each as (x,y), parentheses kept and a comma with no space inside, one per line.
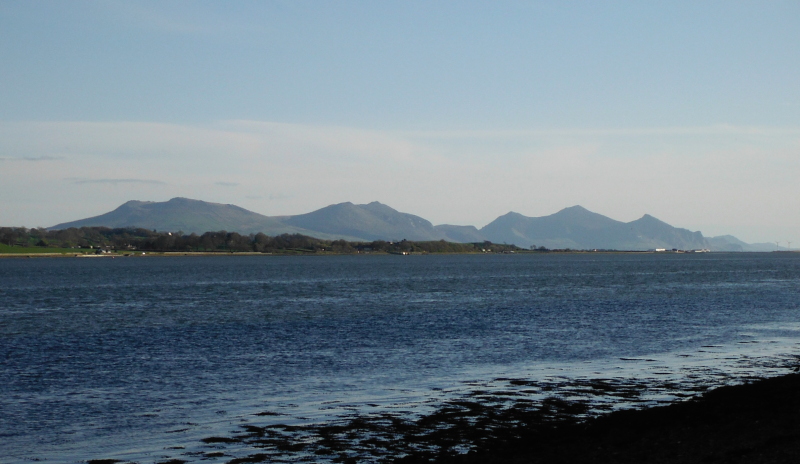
(455,111)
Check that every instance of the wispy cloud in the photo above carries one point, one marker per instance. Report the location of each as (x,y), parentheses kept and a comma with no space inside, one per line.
(31,158)
(227,184)
(710,130)
(118,181)
(43,158)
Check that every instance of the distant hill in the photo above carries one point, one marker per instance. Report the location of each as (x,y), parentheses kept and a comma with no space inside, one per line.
(658,234)
(574,227)
(731,243)
(578,228)
(183,214)
(373,221)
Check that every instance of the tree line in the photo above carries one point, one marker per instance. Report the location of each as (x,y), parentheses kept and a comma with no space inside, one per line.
(138,239)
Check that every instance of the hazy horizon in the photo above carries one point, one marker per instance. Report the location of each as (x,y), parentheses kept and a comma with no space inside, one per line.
(455,112)
(479,227)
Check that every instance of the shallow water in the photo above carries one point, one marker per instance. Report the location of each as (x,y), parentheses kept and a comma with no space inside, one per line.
(127,358)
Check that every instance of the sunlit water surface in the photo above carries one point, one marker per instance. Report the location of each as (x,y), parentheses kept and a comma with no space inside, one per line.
(138,358)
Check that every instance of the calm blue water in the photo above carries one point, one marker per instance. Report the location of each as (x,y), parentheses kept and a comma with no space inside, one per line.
(128,358)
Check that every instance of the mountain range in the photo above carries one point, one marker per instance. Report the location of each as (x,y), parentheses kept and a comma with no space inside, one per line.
(574,227)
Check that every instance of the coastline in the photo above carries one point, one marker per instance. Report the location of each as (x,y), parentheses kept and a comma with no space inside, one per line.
(332,253)
(754,422)
(757,422)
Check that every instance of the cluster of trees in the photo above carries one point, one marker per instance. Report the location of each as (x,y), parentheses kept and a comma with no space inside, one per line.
(149,240)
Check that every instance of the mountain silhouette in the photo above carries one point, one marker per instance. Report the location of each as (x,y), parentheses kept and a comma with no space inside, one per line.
(578,228)
(189,216)
(574,227)
(373,221)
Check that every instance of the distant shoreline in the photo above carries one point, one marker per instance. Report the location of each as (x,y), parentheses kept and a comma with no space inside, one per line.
(149,254)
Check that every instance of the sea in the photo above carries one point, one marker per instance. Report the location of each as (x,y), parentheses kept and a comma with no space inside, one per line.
(137,359)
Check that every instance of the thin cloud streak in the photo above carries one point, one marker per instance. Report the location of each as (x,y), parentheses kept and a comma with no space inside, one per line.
(119,181)
(32,158)
(718,129)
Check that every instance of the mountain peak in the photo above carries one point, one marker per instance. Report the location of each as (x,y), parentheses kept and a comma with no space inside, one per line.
(575,211)
(579,215)
(380,208)
(648,219)
(344,204)
(135,203)
(578,211)
(372,221)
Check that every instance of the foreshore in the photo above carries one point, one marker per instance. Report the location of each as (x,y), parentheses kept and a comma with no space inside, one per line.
(758,422)
(754,422)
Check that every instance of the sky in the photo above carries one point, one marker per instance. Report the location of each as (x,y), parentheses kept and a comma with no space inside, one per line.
(456,111)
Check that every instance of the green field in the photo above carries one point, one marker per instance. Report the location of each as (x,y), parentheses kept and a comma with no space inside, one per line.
(34,250)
